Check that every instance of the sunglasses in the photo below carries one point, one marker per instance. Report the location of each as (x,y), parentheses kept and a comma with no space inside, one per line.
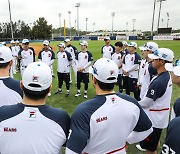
(26,43)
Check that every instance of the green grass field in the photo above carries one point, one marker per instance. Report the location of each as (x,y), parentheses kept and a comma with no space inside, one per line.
(70,103)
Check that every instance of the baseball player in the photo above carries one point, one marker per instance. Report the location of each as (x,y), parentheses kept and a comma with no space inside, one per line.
(118,57)
(125,45)
(73,51)
(10,91)
(172,141)
(18,47)
(149,71)
(156,102)
(107,50)
(100,125)
(130,68)
(26,55)
(31,126)
(63,68)
(15,55)
(83,61)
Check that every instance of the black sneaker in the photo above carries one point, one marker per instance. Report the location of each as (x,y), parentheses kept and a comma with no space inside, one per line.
(78,94)
(58,92)
(67,94)
(53,76)
(85,95)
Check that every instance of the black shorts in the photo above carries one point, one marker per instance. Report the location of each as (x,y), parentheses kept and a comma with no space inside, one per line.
(119,80)
(63,77)
(151,142)
(132,83)
(125,82)
(82,77)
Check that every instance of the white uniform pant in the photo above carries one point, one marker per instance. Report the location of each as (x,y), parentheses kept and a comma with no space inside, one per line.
(74,67)
(14,65)
(22,69)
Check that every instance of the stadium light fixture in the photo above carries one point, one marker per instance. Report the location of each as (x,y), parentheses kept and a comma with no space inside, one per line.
(10,19)
(86,25)
(69,23)
(77,5)
(112,15)
(60,23)
(159,12)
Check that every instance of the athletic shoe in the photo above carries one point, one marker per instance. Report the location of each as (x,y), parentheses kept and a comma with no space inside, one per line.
(67,94)
(49,94)
(53,76)
(78,94)
(85,96)
(70,82)
(58,92)
(139,147)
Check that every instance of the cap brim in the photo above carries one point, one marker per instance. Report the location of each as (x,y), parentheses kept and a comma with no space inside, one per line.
(152,56)
(169,67)
(142,48)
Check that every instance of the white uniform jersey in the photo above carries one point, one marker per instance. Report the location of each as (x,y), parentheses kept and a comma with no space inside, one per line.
(82,59)
(46,57)
(102,125)
(160,91)
(72,50)
(64,59)
(141,70)
(10,91)
(129,61)
(28,57)
(107,51)
(117,58)
(148,74)
(13,50)
(18,48)
(32,129)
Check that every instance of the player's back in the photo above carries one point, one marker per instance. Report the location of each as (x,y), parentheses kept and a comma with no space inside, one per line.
(10,91)
(108,121)
(32,129)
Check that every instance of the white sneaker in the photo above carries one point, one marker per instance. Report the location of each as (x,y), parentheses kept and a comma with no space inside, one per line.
(49,94)
(78,94)
(139,147)
(85,95)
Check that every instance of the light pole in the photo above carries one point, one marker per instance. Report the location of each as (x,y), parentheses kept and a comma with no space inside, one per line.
(133,20)
(162,20)
(86,25)
(69,23)
(93,26)
(159,12)
(153,18)
(126,26)
(10,19)
(167,19)
(60,23)
(112,15)
(77,5)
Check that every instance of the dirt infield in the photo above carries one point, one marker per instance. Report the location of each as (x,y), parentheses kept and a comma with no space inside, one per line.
(37,48)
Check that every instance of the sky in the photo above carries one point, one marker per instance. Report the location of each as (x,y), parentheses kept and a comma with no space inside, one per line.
(97,11)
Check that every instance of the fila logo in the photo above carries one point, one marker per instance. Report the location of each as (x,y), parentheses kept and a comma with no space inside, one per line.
(101,119)
(7,129)
(32,114)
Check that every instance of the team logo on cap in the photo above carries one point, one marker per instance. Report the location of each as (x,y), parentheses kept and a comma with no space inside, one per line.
(32,114)
(164,55)
(35,78)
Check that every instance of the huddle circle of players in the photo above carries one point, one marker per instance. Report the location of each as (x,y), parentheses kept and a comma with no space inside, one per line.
(141,119)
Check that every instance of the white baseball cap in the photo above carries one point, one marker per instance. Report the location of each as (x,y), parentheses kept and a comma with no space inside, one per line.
(67,40)
(46,42)
(5,54)
(12,42)
(25,41)
(61,45)
(83,43)
(162,53)
(37,76)
(107,38)
(105,70)
(124,43)
(173,68)
(132,44)
(17,41)
(151,46)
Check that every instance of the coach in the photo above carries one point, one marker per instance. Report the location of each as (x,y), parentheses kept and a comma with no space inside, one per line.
(104,123)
